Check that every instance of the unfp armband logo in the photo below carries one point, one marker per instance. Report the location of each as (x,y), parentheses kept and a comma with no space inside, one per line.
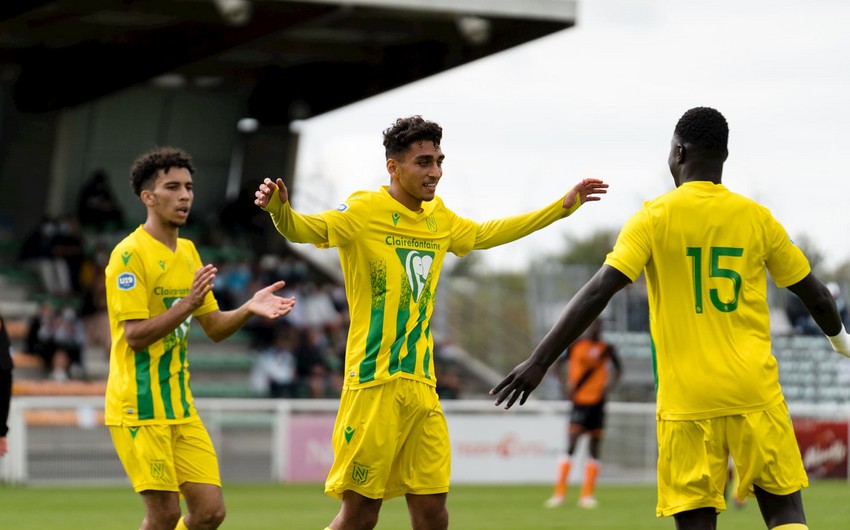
(126,281)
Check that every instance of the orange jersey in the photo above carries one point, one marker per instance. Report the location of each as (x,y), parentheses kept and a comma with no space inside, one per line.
(588,359)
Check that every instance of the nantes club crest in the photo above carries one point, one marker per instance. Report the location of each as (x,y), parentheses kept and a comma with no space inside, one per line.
(360,473)
(417,266)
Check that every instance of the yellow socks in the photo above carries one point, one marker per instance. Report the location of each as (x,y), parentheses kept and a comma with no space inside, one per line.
(792,526)
(181,525)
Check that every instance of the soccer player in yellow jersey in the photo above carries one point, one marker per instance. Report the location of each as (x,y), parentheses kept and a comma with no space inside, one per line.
(706,252)
(155,285)
(391,437)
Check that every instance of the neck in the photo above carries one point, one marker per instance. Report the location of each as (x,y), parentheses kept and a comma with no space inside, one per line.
(411,203)
(165,234)
(704,172)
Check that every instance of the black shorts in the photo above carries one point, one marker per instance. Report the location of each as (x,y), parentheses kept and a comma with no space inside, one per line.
(591,417)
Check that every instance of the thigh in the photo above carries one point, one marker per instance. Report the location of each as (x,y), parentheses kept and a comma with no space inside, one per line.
(765,451)
(423,466)
(366,440)
(146,452)
(692,466)
(195,459)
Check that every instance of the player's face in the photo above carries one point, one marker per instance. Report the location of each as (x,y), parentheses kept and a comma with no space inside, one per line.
(171,198)
(416,173)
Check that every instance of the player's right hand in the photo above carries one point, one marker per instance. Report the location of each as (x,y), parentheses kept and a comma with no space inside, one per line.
(267,189)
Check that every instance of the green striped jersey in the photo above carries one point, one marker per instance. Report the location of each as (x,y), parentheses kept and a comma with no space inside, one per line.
(143,279)
(391,260)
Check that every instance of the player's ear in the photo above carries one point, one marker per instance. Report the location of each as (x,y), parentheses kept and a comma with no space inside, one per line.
(680,153)
(392,166)
(147,197)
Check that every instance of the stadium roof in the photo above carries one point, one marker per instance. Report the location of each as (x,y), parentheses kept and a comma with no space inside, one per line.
(292,59)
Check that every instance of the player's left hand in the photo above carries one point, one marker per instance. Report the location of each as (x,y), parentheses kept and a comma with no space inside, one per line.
(269,305)
(588,190)
(519,383)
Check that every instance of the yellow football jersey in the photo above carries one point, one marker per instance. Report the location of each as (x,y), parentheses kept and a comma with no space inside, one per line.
(391,259)
(705,251)
(143,279)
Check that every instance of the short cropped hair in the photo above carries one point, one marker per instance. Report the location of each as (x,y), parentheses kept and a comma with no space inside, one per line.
(147,166)
(704,128)
(405,131)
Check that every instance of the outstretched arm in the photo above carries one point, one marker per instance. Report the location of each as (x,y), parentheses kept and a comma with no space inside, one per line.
(273,197)
(500,231)
(218,325)
(583,309)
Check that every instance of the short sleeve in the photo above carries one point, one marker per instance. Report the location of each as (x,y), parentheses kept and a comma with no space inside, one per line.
(633,248)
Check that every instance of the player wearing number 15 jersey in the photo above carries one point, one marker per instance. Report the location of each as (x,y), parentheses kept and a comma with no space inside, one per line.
(390,437)
(706,253)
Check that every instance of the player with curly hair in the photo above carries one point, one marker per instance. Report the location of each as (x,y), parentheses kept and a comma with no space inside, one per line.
(391,437)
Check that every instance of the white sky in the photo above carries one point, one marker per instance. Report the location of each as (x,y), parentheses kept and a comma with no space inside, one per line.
(601,100)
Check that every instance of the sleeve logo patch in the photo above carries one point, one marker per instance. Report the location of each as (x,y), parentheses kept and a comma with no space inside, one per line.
(126,281)
(342,207)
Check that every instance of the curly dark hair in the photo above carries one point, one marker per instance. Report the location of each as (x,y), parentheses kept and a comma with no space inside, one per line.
(705,129)
(147,166)
(405,131)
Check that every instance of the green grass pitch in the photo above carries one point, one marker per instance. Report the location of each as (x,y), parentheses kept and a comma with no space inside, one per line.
(305,507)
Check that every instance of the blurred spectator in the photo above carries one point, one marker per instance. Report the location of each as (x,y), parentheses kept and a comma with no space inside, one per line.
(233,286)
(275,370)
(67,246)
(313,372)
(448,381)
(93,311)
(317,306)
(242,220)
(39,253)
(97,208)
(58,338)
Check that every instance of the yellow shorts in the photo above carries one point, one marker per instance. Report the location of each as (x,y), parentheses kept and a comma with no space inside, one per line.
(693,459)
(162,457)
(390,440)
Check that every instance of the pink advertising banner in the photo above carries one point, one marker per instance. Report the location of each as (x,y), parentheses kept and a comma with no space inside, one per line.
(310,451)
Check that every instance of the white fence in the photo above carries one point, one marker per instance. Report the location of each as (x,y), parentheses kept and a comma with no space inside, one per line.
(62,440)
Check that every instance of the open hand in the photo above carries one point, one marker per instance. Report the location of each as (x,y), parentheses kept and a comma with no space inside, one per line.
(269,305)
(201,285)
(587,190)
(519,383)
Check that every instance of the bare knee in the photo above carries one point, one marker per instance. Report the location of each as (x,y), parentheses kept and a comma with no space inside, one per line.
(428,512)
(436,520)
(357,512)
(207,519)
(162,510)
